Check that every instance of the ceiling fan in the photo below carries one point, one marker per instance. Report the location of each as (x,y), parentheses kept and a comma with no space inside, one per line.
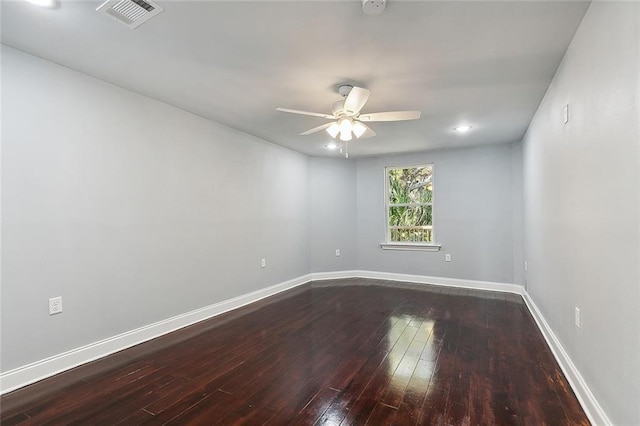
(347,119)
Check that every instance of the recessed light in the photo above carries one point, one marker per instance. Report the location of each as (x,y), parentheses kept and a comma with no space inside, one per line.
(462,128)
(332,145)
(44,3)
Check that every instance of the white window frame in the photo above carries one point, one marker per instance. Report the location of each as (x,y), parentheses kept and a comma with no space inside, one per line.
(399,245)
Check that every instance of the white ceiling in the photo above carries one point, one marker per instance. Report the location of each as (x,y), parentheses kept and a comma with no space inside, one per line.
(483,63)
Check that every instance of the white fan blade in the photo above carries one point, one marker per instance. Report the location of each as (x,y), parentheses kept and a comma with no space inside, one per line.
(316,129)
(367,133)
(314,114)
(390,116)
(356,100)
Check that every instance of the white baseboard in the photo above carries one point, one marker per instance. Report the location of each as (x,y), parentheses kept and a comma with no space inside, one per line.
(42,369)
(421,279)
(594,411)
(31,373)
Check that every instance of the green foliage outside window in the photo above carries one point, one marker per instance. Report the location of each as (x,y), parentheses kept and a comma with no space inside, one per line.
(410,209)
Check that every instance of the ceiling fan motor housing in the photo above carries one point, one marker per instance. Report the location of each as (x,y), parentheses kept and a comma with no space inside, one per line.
(344,90)
(337,109)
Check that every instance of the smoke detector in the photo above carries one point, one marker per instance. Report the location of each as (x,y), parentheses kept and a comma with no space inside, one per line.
(373,7)
(132,13)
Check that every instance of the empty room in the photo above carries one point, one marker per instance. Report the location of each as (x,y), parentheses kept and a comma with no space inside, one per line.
(380,212)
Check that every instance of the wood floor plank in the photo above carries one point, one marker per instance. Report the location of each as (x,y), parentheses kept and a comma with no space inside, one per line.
(381,381)
(377,362)
(394,393)
(411,405)
(179,405)
(381,415)
(138,418)
(204,412)
(316,407)
(105,402)
(15,419)
(354,351)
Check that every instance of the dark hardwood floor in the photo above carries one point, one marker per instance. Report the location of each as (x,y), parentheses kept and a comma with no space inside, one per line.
(324,354)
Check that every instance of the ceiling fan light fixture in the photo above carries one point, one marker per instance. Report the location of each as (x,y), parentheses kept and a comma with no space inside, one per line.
(346,122)
(346,125)
(358,129)
(333,130)
(345,136)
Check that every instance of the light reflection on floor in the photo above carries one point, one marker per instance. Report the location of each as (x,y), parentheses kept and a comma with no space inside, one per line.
(412,352)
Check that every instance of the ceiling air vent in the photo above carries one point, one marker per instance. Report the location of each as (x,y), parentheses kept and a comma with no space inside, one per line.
(130,12)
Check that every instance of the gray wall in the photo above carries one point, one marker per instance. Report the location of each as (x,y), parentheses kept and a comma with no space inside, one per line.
(132,210)
(473,215)
(582,212)
(332,192)
(517,211)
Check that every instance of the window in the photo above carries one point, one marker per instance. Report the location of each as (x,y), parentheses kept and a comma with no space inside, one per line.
(409,205)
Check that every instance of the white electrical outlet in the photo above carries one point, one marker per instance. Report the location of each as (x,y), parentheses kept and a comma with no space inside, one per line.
(577,318)
(263,263)
(447,257)
(337,252)
(55,305)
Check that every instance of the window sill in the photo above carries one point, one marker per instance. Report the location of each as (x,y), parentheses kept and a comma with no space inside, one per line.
(411,246)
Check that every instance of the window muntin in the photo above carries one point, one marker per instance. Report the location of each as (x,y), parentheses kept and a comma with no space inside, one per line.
(409,204)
